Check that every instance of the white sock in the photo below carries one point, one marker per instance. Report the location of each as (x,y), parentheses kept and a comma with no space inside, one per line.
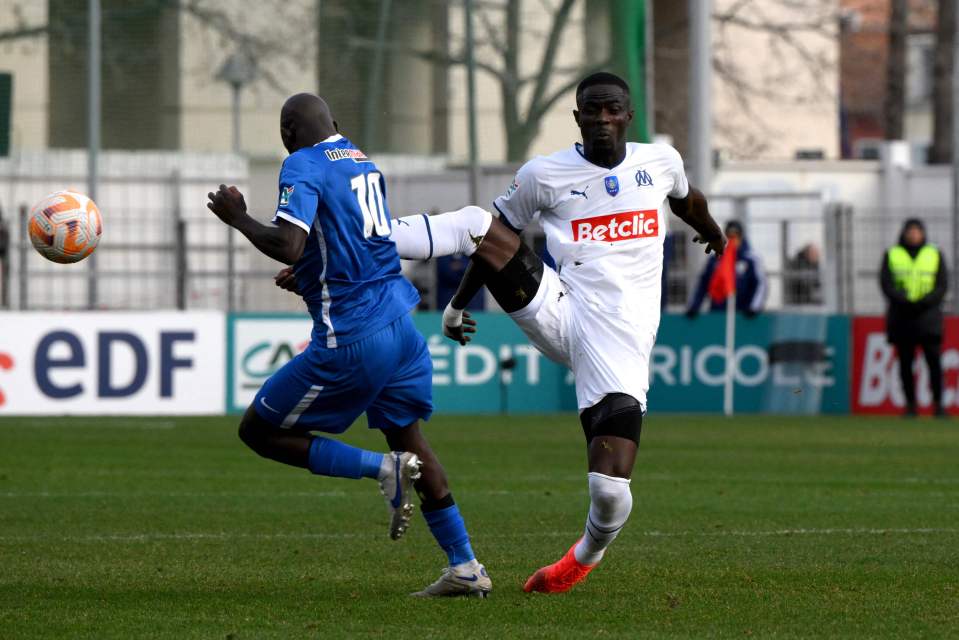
(470,566)
(422,236)
(386,467)
(609,507)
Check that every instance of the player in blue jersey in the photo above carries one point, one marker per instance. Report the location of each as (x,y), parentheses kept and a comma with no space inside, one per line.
(333,226)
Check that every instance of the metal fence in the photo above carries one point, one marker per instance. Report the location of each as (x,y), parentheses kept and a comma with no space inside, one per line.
(162,249)
(869,233)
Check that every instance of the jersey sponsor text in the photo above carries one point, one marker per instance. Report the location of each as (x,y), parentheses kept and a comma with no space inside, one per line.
(346,154)
(616,227)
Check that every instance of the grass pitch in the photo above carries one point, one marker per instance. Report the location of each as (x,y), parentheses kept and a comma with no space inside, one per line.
(759,526)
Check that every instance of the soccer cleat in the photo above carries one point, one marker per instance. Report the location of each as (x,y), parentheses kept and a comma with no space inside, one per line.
(468,581)
(397,488)
(560,576)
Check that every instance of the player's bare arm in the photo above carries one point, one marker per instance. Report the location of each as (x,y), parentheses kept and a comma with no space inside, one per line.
(283,242)
(496,249)
(694,211)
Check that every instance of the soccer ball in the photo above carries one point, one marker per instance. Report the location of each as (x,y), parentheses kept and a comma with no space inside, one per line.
(65,226)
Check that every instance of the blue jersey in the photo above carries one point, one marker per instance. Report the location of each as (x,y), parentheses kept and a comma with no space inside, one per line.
(349,273)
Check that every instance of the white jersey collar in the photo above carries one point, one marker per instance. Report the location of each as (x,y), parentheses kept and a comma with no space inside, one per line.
(578,147)
(333,138)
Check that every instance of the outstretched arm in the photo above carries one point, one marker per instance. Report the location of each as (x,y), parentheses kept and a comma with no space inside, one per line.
(284,242)
(499,247)
(694,211)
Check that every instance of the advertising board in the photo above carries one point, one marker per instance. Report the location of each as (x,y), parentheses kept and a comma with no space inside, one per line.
(111,363)
(876,388)
(785,363)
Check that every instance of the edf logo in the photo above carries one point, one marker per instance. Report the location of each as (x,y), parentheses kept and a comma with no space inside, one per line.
(60,350)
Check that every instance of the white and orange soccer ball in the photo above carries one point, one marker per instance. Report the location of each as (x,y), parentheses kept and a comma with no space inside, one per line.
(65,226)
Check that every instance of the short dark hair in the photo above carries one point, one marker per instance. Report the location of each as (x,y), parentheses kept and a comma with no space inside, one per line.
(600,77)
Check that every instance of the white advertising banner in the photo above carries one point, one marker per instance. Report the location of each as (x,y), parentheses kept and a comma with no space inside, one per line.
(101,363)
(259,344)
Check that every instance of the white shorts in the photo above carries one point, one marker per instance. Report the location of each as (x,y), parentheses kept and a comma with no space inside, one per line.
(607,352)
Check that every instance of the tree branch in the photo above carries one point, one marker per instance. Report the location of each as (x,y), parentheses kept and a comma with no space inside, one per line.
(549,53)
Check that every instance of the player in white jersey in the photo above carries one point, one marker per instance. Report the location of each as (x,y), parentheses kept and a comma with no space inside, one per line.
(602,204)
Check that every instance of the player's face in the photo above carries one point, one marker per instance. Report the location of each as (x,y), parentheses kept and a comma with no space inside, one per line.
(914,236)
(603,115)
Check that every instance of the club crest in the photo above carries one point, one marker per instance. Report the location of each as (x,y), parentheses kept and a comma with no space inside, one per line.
(612,185)
(285,194)
(643,179)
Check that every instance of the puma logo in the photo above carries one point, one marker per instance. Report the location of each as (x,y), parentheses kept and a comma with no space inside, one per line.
(574,192)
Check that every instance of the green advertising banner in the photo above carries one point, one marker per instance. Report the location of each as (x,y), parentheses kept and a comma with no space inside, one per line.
(784,363)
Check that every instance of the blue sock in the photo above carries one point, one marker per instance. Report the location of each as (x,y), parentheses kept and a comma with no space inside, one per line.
(448,528)
(333,458)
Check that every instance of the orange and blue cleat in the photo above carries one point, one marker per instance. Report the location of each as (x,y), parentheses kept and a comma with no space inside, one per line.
(560,576)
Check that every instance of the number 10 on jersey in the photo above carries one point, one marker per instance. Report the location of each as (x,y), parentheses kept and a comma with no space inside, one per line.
(369,195)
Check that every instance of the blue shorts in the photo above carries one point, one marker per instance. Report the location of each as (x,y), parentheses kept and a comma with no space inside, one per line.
(388,375)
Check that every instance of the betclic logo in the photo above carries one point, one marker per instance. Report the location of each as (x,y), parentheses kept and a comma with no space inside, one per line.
(617,227)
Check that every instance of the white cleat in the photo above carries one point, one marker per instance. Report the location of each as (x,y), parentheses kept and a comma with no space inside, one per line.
(397,488)
(470,581)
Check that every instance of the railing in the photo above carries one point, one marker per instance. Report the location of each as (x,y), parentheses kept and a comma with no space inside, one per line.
(164,250)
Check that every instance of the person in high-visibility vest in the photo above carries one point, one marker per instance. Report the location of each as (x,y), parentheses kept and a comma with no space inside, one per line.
(914,280)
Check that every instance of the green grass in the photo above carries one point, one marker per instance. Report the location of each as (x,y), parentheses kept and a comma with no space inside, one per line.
(759,526)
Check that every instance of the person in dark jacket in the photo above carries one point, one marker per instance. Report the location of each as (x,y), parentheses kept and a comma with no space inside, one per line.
(914,280)
(750,278)
(801,281)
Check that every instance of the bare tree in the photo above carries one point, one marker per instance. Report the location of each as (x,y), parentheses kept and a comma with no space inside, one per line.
(797,35)
(216,24)
(941,151)
(526,97)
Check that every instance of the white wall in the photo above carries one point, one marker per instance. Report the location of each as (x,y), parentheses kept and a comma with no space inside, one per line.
(26,59)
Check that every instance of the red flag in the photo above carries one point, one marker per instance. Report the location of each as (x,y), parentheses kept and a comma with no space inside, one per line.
(723,282)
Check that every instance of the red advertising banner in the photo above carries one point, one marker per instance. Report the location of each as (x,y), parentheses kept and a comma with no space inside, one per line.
(876,388)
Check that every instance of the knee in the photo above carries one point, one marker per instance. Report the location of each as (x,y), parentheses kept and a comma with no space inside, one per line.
(610,496)
(252,434)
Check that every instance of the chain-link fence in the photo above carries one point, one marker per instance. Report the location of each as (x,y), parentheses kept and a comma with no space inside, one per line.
(162,249)
(871,232)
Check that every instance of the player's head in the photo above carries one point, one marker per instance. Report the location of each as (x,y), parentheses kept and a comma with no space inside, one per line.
(734,229)
(305,119)
(603,110)
(913,233)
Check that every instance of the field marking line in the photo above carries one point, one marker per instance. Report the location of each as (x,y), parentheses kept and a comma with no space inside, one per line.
(52,422)
(173,494)
(226,535)
(242,494)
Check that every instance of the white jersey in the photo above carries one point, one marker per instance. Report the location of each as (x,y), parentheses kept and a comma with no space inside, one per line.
(598,313)
(604,227)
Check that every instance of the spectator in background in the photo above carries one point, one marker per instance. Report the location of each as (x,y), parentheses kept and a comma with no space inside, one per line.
(914,280)
(750,278)
(803,284)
